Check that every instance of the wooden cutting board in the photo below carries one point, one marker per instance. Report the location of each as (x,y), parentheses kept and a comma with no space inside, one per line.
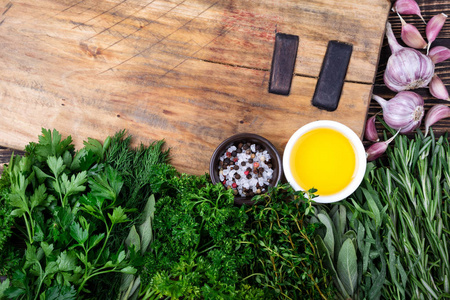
(192,72)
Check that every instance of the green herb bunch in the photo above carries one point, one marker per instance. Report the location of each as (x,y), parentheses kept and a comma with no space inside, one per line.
(66,205)
(413,187)
(135,165)
(6,219)
(196,252)
(287,263)
(351,242)
(398,220)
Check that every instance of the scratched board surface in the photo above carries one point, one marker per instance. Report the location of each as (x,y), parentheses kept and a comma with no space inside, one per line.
(192,72)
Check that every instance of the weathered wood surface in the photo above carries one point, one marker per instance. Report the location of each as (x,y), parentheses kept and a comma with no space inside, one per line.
(429,8)
(192,72)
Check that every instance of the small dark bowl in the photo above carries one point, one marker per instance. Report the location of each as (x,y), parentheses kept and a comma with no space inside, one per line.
(276,161)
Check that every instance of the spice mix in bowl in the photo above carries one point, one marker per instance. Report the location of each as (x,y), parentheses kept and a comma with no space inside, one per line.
(246,163)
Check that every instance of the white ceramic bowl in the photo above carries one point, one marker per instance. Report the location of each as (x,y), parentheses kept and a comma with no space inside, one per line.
(360,153)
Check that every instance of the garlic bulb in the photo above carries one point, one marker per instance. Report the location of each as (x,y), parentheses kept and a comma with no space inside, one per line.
(406,68)
(404,112)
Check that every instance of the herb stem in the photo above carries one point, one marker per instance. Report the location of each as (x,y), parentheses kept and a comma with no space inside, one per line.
(30,236)
(251,275)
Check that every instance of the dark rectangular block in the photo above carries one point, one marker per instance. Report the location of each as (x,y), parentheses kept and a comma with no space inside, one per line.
(283,62)
(331,78)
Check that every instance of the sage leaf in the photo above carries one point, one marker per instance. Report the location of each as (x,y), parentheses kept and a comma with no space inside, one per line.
(145,229)
(329,236)
(347,266)
(133,239)
(126,283)
(134,292)
(149,209)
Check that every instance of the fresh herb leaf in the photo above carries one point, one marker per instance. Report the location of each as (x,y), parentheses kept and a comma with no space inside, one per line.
(347,266)
(78,233)
(50,144)
(60,293)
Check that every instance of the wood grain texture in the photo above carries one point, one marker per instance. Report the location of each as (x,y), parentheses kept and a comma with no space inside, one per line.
(192,72)
(428,10)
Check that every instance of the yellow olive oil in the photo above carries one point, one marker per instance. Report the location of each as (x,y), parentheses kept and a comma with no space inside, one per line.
(323,159)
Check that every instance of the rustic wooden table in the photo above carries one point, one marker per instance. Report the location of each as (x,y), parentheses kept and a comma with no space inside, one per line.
(429,8)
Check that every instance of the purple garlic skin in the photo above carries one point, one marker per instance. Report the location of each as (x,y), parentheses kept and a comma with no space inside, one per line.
(439,54)
(411,36)
(408,69)
(407,7)
(370,132)
(376,150)
(438,89)
(435,114)
(434,26)
(404,112)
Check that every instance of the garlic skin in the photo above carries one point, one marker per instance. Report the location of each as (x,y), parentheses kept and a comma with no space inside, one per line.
(378,149)
(370,133)
(438,89)
(439,54)
(407,7)
(411,36)
(406,68)
(404,112)
(435,114)
(434,26)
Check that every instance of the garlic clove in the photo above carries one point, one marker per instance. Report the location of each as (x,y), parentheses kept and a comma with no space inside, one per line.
(407,7)
(439,54)
(434,26)
(438,89)
(411,36)
(435,114)
(370,132)
(378,149)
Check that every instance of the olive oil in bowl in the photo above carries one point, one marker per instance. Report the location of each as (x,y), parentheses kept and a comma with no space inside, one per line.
(323,159)
(326,156)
